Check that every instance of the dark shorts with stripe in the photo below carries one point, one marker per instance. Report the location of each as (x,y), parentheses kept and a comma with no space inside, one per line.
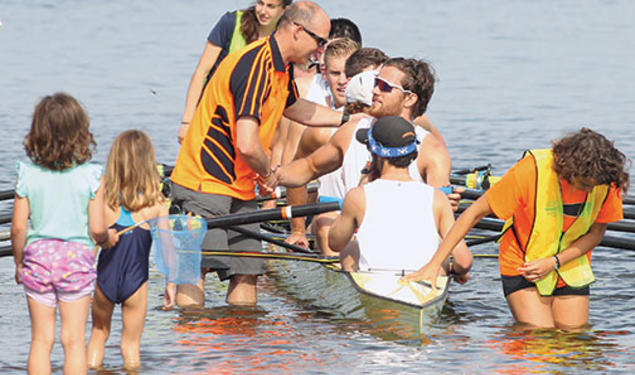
(512,284)
(210,205)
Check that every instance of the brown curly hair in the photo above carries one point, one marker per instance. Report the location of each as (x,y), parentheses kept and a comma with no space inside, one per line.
(589,154)
(59,137)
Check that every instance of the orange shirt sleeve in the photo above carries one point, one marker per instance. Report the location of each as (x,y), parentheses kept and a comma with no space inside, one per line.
(513,190)
(611,210)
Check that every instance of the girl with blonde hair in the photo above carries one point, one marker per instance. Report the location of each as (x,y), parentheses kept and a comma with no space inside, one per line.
(132,195)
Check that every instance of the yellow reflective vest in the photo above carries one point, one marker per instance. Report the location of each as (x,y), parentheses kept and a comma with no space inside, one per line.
(238,40)
(546,238)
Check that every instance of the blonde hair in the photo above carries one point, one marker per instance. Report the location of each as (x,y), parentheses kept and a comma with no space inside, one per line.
(340,47)
(132,179)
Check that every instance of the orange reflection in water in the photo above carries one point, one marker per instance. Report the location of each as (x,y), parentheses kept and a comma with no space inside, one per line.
(233,340)
(537,350)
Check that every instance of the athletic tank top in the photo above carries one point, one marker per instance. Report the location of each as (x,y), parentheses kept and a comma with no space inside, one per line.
(398,231)
(319,91)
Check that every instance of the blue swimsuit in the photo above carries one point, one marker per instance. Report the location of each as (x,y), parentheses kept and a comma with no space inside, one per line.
(123,268)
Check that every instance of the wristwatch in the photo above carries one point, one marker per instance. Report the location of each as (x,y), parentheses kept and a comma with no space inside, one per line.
(345,117)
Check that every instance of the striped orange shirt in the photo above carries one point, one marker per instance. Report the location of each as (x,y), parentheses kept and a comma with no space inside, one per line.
(254,82)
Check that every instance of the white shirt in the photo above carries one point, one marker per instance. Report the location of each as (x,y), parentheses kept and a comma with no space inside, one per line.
(398,231)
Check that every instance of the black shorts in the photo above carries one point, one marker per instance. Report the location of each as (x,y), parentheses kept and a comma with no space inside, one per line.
(514,283)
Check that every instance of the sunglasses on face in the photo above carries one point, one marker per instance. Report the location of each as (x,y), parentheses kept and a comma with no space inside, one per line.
(321,42)
(385,86)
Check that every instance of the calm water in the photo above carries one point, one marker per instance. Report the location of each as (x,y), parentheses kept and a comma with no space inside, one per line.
(512,75)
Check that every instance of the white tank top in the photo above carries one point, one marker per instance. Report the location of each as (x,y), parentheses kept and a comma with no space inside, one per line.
(357,155)
(331,185)
(319,91)
(398,231)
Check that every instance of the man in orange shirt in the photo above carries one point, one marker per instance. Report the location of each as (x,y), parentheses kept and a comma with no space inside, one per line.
(224,150)
(558,203)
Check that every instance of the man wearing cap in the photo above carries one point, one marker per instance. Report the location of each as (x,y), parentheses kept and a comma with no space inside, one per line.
(223,152)
(403,87)
(398,220)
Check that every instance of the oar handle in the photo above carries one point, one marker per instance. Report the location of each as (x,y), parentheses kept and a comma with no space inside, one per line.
(281,213)
(281,192)
(6,194)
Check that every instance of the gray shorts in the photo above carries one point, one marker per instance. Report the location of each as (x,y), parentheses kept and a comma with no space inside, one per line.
(210,205)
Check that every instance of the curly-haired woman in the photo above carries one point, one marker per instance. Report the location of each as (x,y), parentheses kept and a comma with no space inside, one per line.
(557,203)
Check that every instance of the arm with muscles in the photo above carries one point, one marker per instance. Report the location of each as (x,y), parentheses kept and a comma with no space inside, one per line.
(277,148)
(539,268)
(250,150)
(459,230)
(325,159)
(344,226)
(462,263)
(311,140)
(425,123)
(206,62)
(435,165)
(312,114)
(19,227)
(103,237)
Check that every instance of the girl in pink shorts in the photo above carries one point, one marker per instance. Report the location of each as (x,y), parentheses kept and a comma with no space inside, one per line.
(58,215)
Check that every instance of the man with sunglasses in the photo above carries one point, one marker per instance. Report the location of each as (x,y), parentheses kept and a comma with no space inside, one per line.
(403,87)
(225,150)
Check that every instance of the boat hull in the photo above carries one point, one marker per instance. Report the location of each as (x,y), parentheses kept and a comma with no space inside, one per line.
(392,309)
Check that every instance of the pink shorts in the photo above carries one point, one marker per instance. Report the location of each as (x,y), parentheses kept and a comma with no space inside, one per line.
(57,270)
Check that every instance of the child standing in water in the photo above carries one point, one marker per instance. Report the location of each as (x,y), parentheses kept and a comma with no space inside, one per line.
(132,195)
(58,190)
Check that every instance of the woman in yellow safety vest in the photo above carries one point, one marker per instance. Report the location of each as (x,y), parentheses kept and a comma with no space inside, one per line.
(233,31)
(557,204)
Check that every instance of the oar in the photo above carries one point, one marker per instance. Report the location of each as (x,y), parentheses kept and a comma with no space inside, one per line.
(280,213)
(281,192)
(284,212)
(275,241)
(607,241)
(6,194)
(274,255)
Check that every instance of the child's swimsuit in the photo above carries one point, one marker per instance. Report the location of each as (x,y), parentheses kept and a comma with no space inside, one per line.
(122,269)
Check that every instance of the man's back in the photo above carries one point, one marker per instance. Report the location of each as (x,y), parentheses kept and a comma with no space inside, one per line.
(398,230)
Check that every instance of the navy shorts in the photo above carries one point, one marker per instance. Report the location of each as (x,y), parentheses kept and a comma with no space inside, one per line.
(515,283)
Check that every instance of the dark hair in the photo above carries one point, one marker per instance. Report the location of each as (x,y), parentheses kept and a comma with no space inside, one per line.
(419,79)
(399,162)
(590,155)
(59,137)
(362,59)
(345,28)
(249,22)
(355,107)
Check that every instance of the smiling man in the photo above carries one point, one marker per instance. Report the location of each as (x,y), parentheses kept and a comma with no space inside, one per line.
(223,152)
(403,88)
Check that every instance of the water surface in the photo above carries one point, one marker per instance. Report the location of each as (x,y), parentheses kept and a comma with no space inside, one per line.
(512,75)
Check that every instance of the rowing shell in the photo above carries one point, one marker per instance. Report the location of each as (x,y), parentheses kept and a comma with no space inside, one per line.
(394,309)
